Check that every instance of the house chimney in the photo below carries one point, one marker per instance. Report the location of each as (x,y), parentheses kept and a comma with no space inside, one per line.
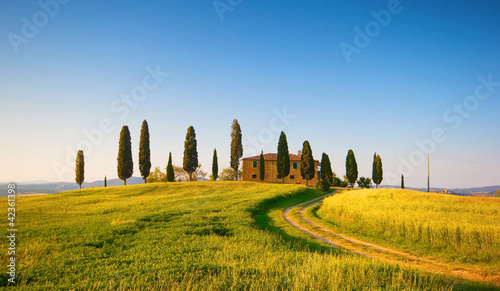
(299,152)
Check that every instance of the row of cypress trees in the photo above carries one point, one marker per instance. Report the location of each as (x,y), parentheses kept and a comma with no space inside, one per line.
(125,167)
(307,167)
(190,159)
(352,169)
(125,164)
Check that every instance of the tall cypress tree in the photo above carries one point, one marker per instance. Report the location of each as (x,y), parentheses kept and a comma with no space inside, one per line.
(283,159)
(307,169)
(190,161)
(236,147)
(402,181)
(144,152)
(262,167)
(377,173)
(79,169)
(125,164)
(215,166)
(326,169)
(170,169)
(351,168)
(105,181)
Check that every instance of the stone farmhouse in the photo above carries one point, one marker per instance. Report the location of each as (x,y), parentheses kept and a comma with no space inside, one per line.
(251,169)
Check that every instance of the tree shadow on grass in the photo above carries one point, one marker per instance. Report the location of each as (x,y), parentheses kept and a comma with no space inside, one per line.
(263,221)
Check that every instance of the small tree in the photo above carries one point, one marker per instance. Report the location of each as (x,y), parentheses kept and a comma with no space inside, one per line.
(181,175)
(377,173)
(322,185)
(307,169)
(228,174)
(170,176)
(344,183)
(125,164)
(498,193)
(190,162)
(236,147)
(283,157)
(105,182)
(365,183)
(215,167)
(402,181)
(262,167)
(144,152)
(79,169)
(351,168)
(337,182)
(326,170)
(157,176)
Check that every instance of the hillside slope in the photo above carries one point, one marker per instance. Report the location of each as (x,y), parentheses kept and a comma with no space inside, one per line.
(181,236)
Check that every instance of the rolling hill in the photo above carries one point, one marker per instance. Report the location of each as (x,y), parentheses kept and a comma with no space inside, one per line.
(190,236)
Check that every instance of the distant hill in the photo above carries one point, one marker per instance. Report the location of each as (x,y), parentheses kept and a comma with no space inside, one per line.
(56,187)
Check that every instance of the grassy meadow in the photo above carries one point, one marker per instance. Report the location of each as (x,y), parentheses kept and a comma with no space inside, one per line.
(191,236)
(464,230)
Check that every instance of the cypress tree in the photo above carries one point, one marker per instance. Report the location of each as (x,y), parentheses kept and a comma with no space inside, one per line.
(79,169)
(262,167)
(326,169)
(144,152)
(215,166)
(125,164)
(402,181)
(377,173)
(190,161)
(307,169)
(170,169)
(283,159)
(236,147)
(351,168)
(105,182)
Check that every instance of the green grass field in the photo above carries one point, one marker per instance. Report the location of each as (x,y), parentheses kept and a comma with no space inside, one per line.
(464,230)
(189,236)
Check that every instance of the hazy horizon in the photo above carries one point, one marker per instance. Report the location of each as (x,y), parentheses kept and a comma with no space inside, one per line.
(399,78)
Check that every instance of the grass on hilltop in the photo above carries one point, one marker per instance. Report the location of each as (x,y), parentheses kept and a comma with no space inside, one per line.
(189,236)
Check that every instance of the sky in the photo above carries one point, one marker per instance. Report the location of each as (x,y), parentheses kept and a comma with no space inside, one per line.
(400,78)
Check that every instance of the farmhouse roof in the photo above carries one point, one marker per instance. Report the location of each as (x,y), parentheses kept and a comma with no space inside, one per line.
(273,157)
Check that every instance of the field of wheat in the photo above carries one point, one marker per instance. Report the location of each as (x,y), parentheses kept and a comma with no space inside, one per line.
(457,229)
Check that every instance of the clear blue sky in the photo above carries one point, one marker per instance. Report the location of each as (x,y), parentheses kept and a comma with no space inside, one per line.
(405,80)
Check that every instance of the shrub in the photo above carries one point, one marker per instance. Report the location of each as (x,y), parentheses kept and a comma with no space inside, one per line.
(322,185)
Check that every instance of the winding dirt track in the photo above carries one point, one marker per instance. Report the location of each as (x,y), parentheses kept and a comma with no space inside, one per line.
(375,251)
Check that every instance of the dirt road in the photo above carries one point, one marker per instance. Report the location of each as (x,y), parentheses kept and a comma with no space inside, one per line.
(294,215)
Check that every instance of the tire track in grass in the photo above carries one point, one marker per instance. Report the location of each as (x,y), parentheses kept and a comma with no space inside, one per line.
(326,240)
(381,253)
